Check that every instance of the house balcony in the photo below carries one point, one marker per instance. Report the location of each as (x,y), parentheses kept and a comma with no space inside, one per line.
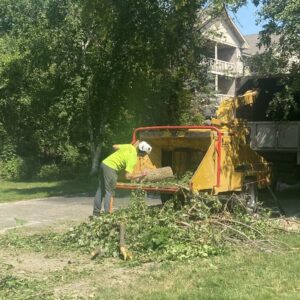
(221,67)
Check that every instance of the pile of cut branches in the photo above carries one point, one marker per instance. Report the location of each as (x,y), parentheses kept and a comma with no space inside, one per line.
(202,227)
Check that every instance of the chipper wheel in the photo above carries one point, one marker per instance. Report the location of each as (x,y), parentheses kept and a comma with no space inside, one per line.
(250,194)
(165,197)
(178,199)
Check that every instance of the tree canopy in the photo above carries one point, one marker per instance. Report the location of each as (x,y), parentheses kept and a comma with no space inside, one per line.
(281,38)
(78,74)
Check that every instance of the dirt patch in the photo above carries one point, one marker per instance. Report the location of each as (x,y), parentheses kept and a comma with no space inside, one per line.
(70,275)
(289,224)
(75,290)
(102,276)
(37,265)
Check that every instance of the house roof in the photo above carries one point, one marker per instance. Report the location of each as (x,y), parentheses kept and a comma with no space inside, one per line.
(234,28)
(253,40)
(229,22)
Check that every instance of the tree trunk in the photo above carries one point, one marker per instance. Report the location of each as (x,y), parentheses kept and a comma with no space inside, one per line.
(159,174)
(122,235)
(95,144)
(96,159)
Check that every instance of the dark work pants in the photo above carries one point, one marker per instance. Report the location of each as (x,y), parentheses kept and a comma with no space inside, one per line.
(107,182)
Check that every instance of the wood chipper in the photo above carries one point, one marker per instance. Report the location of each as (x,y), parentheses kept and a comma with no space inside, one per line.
(218,155)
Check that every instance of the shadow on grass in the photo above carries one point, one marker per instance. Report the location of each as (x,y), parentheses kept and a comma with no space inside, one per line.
(86,187)
(73,187)
(289,201)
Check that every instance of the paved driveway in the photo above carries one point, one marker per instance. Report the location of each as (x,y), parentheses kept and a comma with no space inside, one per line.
(40,212)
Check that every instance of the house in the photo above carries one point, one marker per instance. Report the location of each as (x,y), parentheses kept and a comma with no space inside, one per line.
(226,62)
(253,49)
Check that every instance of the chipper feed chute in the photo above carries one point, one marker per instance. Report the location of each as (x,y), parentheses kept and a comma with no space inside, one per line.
(180,147)
(218,160)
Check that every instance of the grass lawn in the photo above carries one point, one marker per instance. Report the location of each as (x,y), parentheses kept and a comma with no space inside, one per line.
(15,190)
(39,270)
(243,273)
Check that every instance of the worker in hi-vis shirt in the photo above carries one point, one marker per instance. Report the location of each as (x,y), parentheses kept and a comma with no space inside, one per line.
(124,158)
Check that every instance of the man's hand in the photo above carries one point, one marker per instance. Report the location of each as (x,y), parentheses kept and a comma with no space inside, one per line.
(139,177)
(144,173)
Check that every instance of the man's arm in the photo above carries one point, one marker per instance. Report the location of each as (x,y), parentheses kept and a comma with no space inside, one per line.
(116,147)
(132,176)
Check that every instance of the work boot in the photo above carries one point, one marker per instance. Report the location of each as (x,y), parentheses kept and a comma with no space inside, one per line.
(93,217)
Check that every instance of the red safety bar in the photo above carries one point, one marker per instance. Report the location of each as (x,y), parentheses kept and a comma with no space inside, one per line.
(218,147)
(165,190)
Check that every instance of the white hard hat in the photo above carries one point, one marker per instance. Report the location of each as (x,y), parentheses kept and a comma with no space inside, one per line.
(144,146)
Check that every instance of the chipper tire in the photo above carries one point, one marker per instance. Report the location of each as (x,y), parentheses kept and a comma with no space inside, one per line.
(178,199)
(250,195)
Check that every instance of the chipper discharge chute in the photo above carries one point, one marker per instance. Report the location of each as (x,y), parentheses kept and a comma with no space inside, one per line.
(218,156)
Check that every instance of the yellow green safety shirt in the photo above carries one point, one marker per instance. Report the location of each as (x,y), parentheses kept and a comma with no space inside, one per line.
(125,158)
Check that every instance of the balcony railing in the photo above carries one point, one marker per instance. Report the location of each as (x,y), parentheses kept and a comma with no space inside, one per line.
(226,68)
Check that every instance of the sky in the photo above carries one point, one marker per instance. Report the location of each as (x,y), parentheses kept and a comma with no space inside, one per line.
(245,19)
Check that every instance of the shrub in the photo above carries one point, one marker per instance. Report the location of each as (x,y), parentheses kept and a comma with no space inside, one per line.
(30,167)
(49,172)
(70,155)
(12,168)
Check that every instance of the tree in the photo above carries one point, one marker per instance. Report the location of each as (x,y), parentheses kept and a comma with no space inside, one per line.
(280,37)
(83,72)
(42,97)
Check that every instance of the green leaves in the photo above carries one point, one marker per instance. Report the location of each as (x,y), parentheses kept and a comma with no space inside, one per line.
(282,104)
(201,228)
(204,226)
(280,41)
(77,74)
(157,238)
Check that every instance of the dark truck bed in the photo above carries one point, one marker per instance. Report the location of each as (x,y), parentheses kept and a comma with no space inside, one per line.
(279,143)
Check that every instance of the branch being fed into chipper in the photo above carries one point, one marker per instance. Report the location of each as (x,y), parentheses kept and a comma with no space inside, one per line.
(158,174)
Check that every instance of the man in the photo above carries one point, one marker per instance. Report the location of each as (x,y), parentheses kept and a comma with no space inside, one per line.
(125,158)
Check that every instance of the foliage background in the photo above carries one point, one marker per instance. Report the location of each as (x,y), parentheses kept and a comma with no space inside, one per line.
(79,75)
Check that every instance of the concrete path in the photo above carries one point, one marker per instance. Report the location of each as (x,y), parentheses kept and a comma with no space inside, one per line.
(49,211)
(43,211)
(56,210)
